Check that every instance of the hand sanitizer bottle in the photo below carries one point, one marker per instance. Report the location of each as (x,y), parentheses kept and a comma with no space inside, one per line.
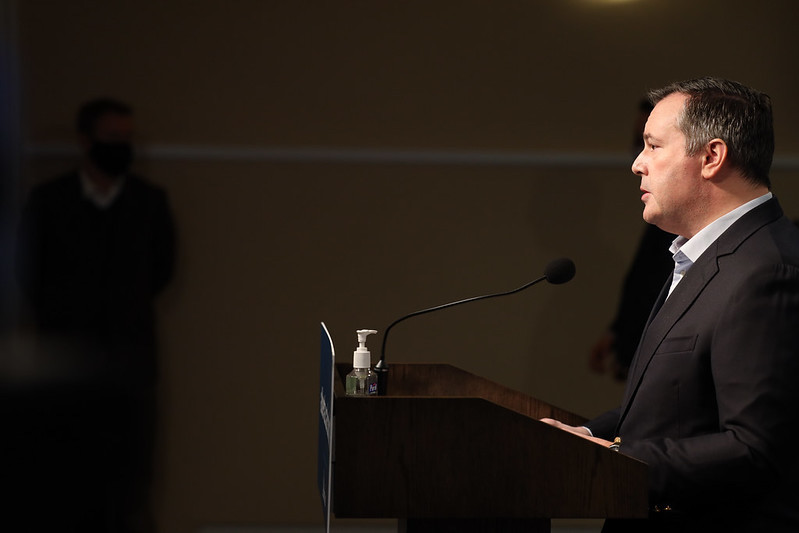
(361,381)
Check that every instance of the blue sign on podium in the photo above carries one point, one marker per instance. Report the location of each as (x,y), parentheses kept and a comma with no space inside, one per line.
(327,359)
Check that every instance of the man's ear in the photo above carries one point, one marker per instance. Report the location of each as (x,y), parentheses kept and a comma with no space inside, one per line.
(714,157)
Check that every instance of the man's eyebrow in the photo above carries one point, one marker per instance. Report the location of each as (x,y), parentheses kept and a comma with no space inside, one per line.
(648,137)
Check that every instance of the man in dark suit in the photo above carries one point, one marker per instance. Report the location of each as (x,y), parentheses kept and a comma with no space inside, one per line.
(712,391)
(96,246)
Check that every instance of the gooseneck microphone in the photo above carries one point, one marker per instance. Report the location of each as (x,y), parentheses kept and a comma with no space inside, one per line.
(557,272)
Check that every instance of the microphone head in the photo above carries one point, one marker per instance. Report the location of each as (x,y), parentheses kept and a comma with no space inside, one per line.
(560,271)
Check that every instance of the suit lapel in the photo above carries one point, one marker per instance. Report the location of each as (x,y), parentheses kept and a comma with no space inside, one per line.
(661,299)
(663,320)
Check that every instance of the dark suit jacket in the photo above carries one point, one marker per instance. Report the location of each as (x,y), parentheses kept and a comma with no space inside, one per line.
(91,274)
(712,396)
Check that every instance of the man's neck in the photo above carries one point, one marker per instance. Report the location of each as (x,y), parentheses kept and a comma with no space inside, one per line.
(735,199)
(716,227)
(725,200)
(100,181)
(102,190)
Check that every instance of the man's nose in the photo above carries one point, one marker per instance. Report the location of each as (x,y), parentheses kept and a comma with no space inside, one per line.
(638,165)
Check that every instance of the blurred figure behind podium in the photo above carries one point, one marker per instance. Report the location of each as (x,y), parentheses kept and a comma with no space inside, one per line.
(96,246)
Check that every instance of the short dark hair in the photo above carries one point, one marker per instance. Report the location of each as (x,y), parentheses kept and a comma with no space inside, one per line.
(90,112)
(722,109)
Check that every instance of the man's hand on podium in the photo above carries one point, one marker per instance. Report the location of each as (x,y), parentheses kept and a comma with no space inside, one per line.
(577,430)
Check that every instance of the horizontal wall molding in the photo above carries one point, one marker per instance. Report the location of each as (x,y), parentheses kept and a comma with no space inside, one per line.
(352,526)
(380,156)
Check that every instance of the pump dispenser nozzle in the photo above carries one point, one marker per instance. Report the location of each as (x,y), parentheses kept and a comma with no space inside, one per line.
(362,358)
(362,334)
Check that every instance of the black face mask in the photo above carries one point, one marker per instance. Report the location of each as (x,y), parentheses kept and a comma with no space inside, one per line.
(112,158)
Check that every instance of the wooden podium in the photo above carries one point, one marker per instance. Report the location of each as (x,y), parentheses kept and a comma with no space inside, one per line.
(446,450)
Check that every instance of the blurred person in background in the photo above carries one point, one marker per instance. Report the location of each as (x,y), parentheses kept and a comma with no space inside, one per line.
(96,246)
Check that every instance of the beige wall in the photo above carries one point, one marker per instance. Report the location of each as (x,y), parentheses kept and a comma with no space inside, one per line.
(271,247)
